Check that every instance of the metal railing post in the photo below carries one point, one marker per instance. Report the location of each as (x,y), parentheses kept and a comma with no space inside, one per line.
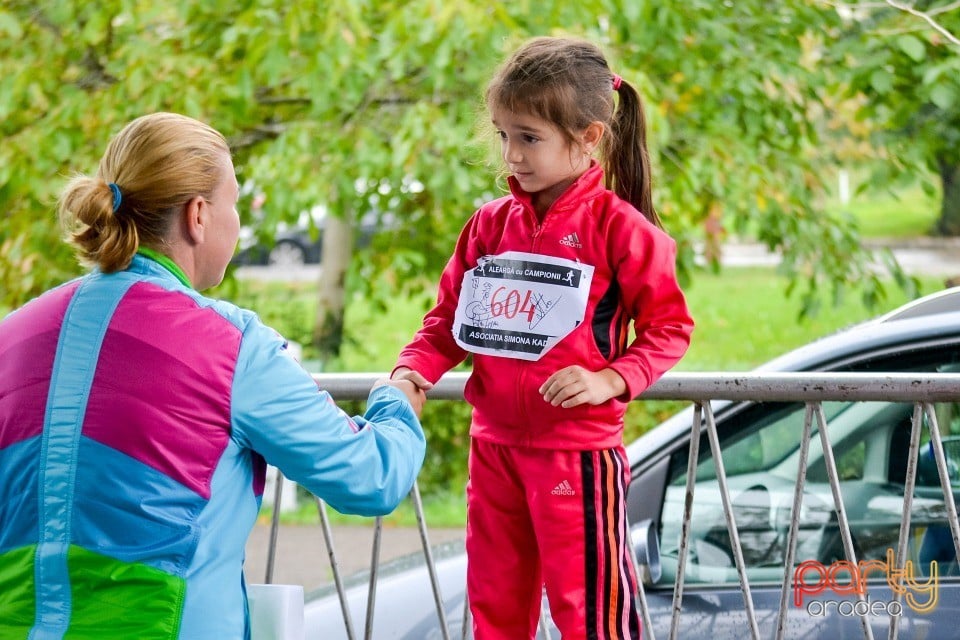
(274,527)
(794,531)
(692,459)
(910,483)
(731,523)
(374,574)
(335,569)
(948,498)
(428,555)
(466,626)
(641,596)
(842,522)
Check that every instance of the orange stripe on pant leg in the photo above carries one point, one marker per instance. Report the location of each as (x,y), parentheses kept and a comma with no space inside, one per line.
(622,619)
(610,523)
(630,626)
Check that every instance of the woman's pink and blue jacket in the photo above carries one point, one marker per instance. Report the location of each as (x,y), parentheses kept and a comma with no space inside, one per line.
(136,420)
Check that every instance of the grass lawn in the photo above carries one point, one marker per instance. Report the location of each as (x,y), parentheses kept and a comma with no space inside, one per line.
(894,215)
(743,319)
(904,212)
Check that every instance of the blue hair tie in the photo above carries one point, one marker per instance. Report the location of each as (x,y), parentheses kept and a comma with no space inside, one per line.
(117,198)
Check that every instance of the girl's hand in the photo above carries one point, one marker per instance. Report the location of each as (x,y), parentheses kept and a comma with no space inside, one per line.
(403,373)
(574,385)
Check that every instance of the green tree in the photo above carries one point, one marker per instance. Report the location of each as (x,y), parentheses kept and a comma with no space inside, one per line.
(902,61)
(737,96)
(371,108)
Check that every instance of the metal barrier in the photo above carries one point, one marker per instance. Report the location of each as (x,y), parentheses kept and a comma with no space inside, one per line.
(700,389)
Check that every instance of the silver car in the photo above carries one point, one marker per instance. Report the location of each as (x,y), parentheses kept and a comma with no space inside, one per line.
(760,451)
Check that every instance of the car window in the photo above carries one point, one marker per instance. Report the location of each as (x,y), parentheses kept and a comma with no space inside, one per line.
(760,450)
(763,442)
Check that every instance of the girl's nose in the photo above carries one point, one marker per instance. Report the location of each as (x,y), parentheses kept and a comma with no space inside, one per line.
(511,152)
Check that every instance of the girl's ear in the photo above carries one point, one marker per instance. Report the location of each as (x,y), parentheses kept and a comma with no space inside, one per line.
(591,136)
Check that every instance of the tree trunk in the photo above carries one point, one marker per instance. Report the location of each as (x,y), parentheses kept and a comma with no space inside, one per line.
(949,222)
(337,250)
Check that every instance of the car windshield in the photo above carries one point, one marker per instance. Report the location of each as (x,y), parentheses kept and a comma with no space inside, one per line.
(761,452)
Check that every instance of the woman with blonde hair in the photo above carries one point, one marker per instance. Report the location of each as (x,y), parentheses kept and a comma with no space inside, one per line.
(137,416)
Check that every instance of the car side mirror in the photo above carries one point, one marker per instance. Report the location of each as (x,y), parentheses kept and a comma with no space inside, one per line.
(646,549)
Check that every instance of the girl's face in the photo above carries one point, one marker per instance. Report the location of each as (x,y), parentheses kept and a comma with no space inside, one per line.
(539,156)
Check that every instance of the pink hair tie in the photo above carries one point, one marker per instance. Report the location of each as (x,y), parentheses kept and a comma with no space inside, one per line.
(617,80)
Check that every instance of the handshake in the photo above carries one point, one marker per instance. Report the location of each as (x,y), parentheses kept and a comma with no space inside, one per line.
(413,385)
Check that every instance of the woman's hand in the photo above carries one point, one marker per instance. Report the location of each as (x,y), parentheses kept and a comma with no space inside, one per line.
(413,385)
(574,385)
(415,395)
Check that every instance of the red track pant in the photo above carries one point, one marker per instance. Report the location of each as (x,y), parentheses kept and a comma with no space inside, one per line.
(543,517)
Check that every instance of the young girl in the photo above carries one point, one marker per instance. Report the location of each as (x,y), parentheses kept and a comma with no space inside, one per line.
(541,289)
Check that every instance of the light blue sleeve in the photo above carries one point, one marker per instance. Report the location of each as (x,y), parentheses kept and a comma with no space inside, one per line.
(362,465)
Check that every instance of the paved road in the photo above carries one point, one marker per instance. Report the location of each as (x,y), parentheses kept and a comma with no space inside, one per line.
(917,256)
(302,556)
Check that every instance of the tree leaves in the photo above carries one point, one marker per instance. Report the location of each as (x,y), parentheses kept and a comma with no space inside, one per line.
(912,46)
(906,75)
(944,97)
(345,104)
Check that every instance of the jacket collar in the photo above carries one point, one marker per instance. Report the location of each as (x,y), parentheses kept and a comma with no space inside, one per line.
(587,186)
(144,263)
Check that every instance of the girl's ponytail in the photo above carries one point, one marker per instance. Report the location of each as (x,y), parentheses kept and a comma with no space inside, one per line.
(627,159)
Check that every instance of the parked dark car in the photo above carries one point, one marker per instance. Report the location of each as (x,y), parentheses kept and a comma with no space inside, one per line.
(290,248)
(759,443)
(297,244)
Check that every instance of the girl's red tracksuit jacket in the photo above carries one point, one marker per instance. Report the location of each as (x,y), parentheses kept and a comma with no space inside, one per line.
(634,279)
(547,491)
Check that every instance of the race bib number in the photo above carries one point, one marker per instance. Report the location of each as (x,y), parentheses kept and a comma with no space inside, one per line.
(519,305)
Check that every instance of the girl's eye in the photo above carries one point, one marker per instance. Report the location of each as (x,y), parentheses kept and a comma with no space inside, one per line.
(530,139)
(502,134)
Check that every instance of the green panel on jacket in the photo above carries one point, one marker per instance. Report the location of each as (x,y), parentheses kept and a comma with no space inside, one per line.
(127,600)
(17,592)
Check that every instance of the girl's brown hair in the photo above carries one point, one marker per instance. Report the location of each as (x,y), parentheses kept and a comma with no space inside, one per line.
(568,83)
(157,162)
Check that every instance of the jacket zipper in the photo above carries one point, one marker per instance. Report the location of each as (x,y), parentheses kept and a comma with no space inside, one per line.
(521,378)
